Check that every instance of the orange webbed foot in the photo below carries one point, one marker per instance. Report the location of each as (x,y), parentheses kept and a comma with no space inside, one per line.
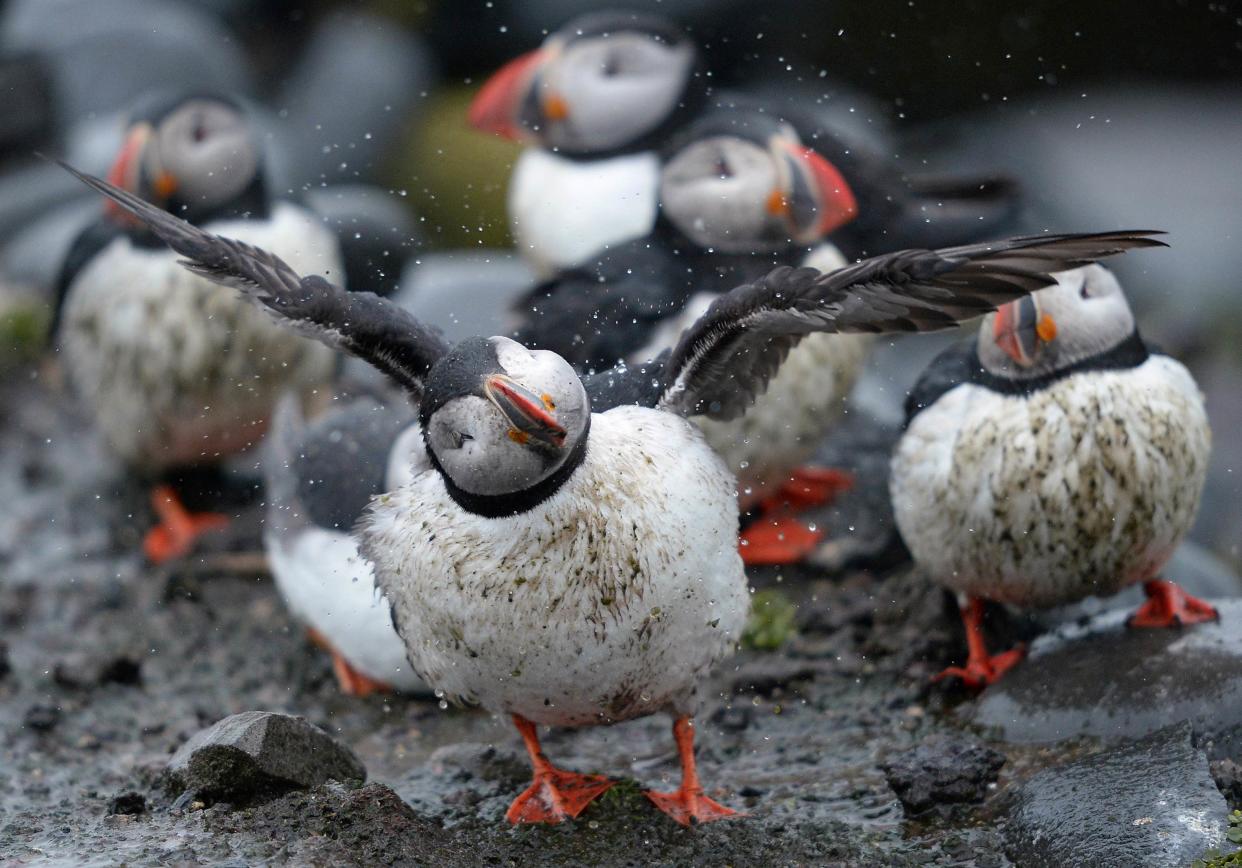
(810,486)
(178,529)
(1169,606)
(690,808)
(557,795)
(776,540)
(981,672)
(687,804)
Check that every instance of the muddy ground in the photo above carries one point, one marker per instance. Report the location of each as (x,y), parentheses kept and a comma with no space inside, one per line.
(109,666)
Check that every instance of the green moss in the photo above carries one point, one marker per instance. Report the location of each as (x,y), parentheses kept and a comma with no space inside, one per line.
(771,625)
(23,328)
(457,178)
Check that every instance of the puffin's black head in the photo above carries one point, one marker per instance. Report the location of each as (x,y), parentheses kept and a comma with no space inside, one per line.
(740,181)
(194,155)
(1085,314)
(499,418)
(605,82)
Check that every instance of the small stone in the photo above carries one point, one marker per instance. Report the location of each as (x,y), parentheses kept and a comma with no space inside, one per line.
(1150,802)
(5,666)
(83,671)
(256,754)
(128,804)
(42,718)
(946,769)
(732,718)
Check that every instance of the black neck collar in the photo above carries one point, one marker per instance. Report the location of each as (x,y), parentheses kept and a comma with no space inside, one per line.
(517,502)
(1130,353)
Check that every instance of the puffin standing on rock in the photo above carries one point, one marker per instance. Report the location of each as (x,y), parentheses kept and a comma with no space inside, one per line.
(174,373)
(564,548)
(1054,458)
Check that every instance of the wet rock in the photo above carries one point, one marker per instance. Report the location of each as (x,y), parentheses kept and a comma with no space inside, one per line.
(1103,679)
(357,83)
(946,769)
(81,671)
(128,804)
(42,718)
(1150,802)
(1228,777)
(259,753)
(5,666)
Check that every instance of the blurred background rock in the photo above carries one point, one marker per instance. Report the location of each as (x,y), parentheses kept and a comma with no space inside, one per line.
(1112,115)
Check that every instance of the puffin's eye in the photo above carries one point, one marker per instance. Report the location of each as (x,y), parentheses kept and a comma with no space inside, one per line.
(1083,291)
(459,438)
(611,65)
(721,167)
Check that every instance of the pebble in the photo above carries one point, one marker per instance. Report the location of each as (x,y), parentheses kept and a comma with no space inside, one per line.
(42,718)
(80,671)
(128,804)
(1151,802)
(255,754)
(946,769)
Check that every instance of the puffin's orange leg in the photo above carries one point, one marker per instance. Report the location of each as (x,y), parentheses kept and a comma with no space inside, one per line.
(1169,606)
(555,794)
(350,680)
(178,529)
(777,539)
(981,669)
(688,805)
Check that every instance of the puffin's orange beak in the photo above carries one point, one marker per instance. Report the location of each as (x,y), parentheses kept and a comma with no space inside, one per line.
(126,170)
(818,200)
(531,415)
(1020,329)
(497,105)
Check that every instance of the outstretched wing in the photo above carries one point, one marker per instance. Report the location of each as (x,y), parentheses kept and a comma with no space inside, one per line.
(361,323)
(726,359)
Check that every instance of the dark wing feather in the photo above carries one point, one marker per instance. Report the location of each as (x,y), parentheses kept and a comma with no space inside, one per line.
(727,358)
(365,325)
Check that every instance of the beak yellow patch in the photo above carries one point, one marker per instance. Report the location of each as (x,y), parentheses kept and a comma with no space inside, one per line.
(555,108)
(548,403)
(165,185)
(518,436)
(777,203)
(1046,328)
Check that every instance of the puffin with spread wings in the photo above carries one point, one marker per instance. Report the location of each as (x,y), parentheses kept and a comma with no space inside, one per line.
(564,549)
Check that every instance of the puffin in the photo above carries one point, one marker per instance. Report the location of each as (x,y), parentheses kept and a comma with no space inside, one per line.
(175,375)
(563,551)
(1055,457)
(740,193)
(319,478)
(597,101)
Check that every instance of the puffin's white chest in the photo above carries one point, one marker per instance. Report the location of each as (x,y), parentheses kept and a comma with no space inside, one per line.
(176,369)
(1081,488)
(563,211)
(610,600)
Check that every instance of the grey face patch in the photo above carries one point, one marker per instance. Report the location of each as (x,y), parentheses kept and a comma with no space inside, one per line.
(480,448)
(1089,313)
(615,89)
(205,148)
